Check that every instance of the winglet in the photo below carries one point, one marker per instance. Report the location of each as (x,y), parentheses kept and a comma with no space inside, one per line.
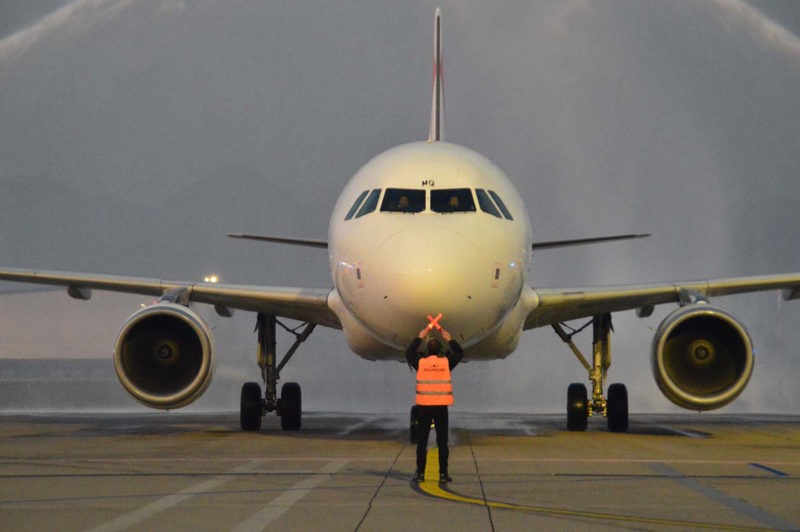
(436,131)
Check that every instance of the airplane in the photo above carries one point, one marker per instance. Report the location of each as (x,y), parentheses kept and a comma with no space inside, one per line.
(428,228)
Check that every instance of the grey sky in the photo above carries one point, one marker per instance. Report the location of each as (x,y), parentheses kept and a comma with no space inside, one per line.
(135,133)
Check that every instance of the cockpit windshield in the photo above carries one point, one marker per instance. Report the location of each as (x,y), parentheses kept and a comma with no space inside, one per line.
(370,203)
(452,200)
(442,201)
(502,205)
(486,203)
(403,200)
(356,205)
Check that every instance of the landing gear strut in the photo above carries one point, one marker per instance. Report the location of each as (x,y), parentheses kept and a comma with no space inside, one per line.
(579,406)
(253,405)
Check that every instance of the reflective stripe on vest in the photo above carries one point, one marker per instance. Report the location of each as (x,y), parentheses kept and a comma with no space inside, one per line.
(434,387)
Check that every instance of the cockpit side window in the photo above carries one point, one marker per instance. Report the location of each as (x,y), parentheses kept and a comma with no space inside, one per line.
(370,203)
(485,203)
(452,200)
(502,205)
(356,204)
(403,200)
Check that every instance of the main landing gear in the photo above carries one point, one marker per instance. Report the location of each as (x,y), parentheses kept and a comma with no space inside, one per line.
(253,405)
(579,406)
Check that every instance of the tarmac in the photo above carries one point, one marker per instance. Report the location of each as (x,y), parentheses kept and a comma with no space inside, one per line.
(162,471)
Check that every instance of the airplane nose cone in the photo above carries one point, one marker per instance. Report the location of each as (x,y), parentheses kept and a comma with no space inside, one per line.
(427,274)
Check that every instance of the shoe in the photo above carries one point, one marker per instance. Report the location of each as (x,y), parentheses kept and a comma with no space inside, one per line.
(419,477)
(444,477)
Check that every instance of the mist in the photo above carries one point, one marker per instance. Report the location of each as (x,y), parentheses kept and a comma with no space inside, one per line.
(135,133)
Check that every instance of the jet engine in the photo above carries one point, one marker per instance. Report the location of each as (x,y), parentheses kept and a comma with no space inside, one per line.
(164,356)
(702,357)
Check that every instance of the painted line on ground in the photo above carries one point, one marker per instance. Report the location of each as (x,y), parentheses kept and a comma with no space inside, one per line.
(769,469)
(229,460)
(687,433)
(743,507)
(354,427)
(441,490)
(283,502)
(137,516)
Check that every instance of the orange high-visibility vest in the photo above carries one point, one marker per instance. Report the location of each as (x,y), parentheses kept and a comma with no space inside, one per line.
(434,387)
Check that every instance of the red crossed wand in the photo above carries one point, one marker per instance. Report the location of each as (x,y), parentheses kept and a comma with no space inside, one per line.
(434,322)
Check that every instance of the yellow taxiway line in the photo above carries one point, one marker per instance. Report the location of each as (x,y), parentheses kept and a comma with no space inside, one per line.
(433,488)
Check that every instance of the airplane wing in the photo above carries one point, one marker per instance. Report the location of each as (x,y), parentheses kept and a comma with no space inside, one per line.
(555,305)
(282,240)
(550,244)
(304,304)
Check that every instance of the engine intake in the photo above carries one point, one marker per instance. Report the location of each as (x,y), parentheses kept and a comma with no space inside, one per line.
(702,357)
(164,356)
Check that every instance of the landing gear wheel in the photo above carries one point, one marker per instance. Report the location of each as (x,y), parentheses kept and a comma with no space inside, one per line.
(251,406)
(413,434)
(617,409)
(577,413)
(291,406)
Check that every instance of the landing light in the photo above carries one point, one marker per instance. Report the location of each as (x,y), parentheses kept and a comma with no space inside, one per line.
(212,278)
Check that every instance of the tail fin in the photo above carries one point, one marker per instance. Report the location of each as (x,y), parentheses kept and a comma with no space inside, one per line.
(436,131)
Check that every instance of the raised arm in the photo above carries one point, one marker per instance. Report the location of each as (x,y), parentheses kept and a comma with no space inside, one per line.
(456,353)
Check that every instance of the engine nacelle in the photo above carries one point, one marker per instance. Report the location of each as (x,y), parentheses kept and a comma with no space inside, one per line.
(164,356)
(702,357)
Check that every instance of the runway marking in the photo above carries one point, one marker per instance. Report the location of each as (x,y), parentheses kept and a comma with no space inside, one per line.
(539,459)
(441,490)
(769,470)
(741,506)
(136,516)
(270,513)
(375,422)
(687,433)
(354,427)
(281,504)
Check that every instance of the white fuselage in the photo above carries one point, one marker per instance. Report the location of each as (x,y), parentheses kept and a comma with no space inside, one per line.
(467,258)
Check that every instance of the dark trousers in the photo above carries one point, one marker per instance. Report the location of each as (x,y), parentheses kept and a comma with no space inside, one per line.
(440,418)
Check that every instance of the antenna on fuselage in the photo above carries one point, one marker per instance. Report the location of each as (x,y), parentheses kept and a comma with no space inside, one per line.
(436,131)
